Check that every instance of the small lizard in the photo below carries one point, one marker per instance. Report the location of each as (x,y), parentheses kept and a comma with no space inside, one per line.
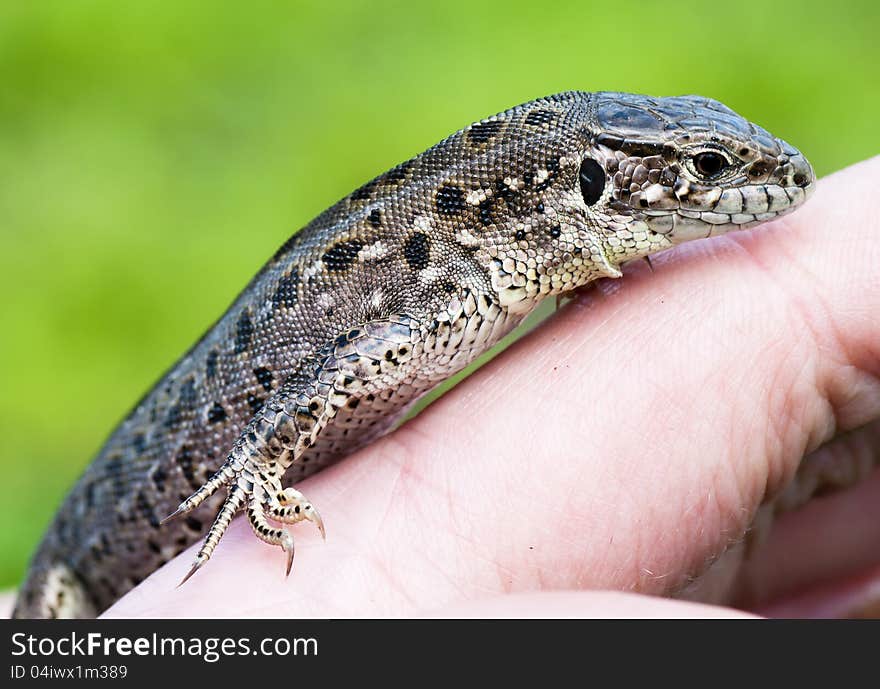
(387,293)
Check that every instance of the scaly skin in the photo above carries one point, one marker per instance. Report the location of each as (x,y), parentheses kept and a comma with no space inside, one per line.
(392,290)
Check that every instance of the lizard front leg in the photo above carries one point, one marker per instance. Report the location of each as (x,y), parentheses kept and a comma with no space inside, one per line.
(356,368)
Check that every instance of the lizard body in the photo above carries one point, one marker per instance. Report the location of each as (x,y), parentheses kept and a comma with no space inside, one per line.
(387,293)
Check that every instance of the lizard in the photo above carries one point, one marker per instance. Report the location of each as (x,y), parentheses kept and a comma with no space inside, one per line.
(387,293)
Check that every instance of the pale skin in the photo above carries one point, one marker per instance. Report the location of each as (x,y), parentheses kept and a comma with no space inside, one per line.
(621,445)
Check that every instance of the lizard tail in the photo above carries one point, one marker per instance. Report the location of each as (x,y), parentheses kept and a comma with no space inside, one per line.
(54,592)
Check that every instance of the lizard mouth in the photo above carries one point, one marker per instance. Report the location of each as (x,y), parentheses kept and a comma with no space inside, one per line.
(718,211)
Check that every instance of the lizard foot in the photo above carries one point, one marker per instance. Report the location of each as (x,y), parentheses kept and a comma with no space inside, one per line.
(287,507)
(359,364)
(259,490)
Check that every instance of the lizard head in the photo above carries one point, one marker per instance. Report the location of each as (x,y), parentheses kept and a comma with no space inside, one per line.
(579,183)
(661,171)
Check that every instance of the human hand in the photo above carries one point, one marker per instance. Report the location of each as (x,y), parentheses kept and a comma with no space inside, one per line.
(623,445)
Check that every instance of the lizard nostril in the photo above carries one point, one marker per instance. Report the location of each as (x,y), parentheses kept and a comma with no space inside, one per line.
(801,179)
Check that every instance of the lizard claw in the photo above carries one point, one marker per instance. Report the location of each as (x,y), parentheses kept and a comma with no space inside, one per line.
(200,560)
(176,513)
(313,516)
(288,547)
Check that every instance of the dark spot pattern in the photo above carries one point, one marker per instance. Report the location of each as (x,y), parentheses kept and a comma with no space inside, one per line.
(341,255)
(285,293)
(211,363)
(375,217)
(397,175)
(193,524)
(146,509)
(90,495)
(264,378)
(540,117)
(216,413)
(244,331)
(417,251)
(504,191)
(255,402)
(113,467)
(159,477)
(481,132)
(485,214)
(363,193)
(184,460)
(450,200)
(174,416)
(139,442)
(188,396)
(552,168)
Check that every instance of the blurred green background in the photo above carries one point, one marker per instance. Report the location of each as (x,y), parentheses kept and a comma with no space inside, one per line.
(154,154)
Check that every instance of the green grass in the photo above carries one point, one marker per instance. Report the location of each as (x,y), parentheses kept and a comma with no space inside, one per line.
(151,158)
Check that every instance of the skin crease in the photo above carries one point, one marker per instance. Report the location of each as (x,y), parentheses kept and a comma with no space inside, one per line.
(622,445)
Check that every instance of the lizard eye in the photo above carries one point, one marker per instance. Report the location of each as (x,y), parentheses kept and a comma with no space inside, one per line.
(592,180)
(709,164)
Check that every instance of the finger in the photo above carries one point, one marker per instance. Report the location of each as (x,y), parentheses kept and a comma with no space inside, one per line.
(851,597)
(830,538)
(800,541)
(623,445)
